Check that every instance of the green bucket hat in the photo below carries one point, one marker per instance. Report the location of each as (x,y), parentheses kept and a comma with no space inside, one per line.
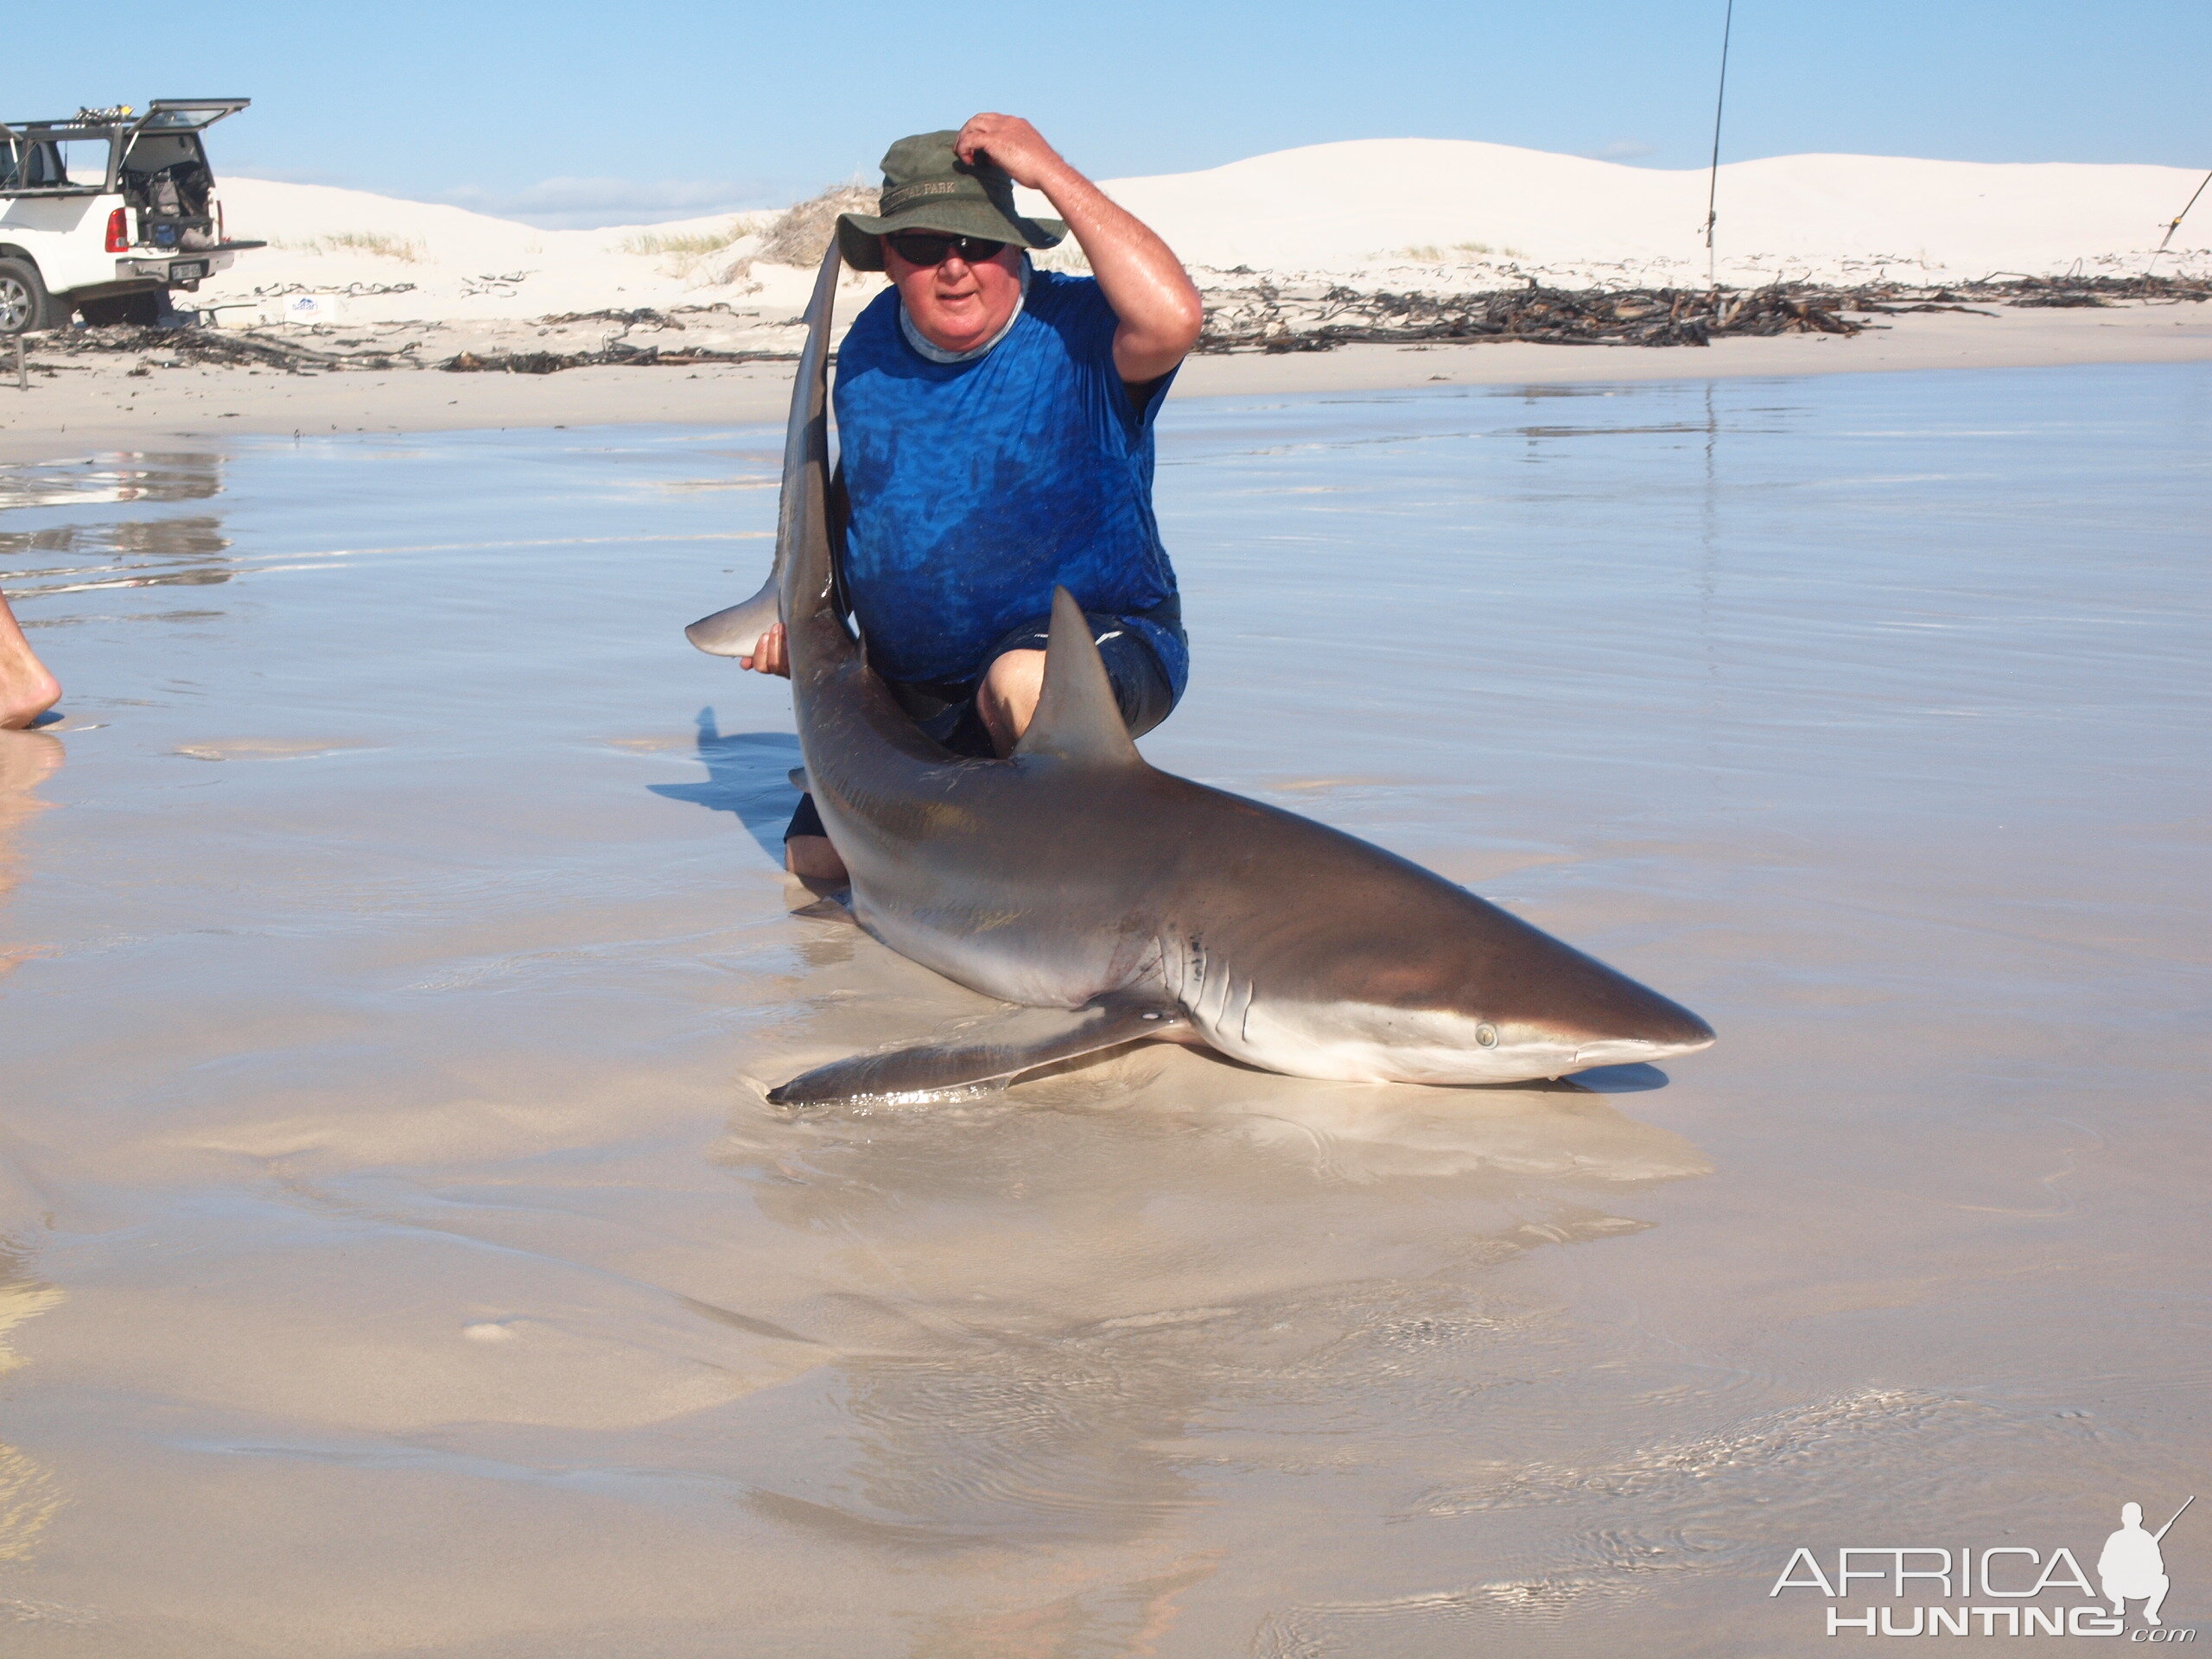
(927,188)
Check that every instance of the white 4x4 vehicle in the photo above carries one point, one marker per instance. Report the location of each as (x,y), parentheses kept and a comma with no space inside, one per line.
(104,212)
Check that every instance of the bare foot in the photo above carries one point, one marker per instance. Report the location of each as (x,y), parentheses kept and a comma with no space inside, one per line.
(814,861)
(27,690)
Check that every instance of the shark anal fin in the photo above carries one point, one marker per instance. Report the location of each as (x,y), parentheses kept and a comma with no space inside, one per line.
(1042,1040)
(1077,718)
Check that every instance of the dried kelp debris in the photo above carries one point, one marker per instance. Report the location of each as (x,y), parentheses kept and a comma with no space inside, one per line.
(615,351)
(1270,318)
(230,348)
(1266,317)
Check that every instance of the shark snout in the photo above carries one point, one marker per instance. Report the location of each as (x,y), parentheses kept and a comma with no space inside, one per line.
(1682,1034)
(1632,1050)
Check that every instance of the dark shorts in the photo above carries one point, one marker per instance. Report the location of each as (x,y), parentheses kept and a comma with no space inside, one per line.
(946,710)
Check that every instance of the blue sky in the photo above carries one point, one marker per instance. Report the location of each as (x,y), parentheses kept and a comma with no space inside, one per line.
(572,113)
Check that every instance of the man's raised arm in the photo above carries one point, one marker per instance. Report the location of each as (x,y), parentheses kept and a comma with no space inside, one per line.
(1152,296)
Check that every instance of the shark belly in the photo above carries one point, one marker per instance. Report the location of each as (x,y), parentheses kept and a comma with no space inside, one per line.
(1326,1042)
(1022,954)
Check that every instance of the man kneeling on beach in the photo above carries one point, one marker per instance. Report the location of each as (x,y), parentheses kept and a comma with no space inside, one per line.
(996,431)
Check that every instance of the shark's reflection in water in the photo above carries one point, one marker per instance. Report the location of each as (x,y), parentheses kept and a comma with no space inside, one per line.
(1056,1310)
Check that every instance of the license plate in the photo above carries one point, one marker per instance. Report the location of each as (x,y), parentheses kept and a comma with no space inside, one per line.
(187,270)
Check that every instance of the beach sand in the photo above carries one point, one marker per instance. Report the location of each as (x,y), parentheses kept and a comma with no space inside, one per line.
(91,404)
(402,1258)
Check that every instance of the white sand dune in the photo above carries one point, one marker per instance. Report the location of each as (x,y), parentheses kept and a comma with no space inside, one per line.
(1354,206)
(447,262)
(1404,212)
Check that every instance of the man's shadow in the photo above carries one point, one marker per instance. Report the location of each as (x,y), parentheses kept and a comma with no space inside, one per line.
(747,773)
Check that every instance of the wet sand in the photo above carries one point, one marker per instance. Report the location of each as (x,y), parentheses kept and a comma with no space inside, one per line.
(89,405)
(405,1261)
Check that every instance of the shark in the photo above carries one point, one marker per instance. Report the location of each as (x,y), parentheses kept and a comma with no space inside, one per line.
(1119,903)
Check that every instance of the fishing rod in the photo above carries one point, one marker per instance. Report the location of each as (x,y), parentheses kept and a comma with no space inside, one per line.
(2172,226)
(2191,1498)
(1712,177)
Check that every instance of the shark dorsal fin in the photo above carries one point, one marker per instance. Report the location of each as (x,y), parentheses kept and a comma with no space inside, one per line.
(1077,718)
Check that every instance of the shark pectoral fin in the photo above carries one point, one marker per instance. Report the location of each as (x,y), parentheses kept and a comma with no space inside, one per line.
(734,631)
(1077,717)
(1041,1039)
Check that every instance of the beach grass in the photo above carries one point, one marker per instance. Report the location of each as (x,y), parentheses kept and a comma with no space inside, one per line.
(692,244)
(375,243)
(1067,257)
(682,252)
(1459,253)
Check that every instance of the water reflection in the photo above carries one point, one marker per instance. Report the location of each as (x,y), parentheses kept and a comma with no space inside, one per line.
(28,1496)
(76,557)
(27,759)
(94,480)
(1080,1613)
(82,558)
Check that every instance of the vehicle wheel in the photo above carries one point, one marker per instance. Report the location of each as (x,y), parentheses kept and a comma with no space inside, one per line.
(24,304)
(138,310)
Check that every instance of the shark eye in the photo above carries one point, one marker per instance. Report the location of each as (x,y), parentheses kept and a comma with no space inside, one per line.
(1486,1034)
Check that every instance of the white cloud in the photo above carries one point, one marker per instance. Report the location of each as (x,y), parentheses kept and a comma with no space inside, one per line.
(570,204)
(1619,150)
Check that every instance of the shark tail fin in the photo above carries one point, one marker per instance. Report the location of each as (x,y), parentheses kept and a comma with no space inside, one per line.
(1077,718)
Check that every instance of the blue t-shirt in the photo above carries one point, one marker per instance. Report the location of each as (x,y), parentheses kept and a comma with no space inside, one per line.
(976,487)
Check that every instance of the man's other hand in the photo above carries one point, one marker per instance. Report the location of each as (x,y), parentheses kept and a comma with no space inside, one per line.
(1015,145)
(769,655)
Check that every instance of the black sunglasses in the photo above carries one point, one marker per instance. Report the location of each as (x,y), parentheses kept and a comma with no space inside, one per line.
(927,248)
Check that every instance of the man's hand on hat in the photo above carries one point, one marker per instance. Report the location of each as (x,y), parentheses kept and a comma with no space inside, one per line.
(1014,145)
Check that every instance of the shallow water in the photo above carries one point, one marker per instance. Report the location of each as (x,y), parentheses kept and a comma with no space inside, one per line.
(405,1260)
